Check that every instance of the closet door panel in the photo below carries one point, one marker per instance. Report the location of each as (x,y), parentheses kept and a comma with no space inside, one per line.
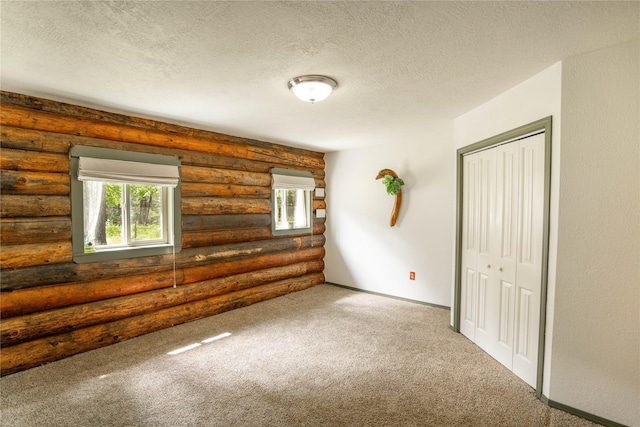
(469,246)
(507,175)
(529,257)
(468,304)
(487,286)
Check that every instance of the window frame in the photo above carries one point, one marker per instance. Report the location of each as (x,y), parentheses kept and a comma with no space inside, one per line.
(173,214)
(305,176)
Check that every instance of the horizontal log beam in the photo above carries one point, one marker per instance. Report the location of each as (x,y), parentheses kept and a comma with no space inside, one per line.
(35,140)
(17,256)
(22,160)
(22,117)
(92,114)
(42,183)
(33,300)
(20,329)
(16,116)
(216,205)
(196,189)
(199,256)
(44,350)
(31,277)
(22,278)
(34,230)
(198,222)
(195,239)
(224,176)
(14,206)
(221,206)
(244,265)
(223,237)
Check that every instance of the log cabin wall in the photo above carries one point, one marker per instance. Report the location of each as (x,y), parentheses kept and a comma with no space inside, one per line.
(52,308)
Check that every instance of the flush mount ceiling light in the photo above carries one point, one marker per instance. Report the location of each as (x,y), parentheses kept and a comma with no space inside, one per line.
(312,88)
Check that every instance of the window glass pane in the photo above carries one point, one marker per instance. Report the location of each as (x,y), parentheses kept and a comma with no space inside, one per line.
(145,213)
(299,209)
(102,210)
(114,204)
(291,209)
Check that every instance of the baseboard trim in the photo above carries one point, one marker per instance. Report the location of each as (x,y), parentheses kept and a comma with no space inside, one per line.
(389,296)
(579,413)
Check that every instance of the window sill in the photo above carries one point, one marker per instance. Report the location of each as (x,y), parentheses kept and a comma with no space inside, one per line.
(116,254)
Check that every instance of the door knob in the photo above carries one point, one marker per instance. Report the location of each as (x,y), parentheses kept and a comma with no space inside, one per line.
(488,265)
(499,268)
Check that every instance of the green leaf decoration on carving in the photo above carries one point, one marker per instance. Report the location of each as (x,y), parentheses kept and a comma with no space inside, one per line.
(393,184)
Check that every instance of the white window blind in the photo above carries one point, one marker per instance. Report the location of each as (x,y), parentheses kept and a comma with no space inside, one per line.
(285,179)
(93,169)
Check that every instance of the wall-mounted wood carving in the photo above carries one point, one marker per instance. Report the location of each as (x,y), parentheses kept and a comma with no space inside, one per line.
(390,189)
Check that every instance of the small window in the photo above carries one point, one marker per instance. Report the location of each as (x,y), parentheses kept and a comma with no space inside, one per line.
(291,201)
(123,204)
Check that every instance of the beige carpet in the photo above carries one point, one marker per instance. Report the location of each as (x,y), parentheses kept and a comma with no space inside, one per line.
(326,356)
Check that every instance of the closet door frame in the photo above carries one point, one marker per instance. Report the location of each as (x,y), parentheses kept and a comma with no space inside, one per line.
(542,125)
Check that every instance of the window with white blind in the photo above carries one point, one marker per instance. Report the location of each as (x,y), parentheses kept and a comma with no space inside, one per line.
(124,204)
(291,194)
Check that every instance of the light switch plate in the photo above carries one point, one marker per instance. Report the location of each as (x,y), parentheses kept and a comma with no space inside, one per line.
(319,192)
(321,213)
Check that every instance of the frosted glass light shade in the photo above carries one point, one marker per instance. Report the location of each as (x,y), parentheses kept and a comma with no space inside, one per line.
(312,88)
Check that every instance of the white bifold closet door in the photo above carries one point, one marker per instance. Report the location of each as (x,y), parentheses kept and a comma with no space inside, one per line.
(503,192)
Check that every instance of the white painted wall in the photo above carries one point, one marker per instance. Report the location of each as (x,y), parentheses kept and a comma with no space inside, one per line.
(596,346)
(362,250)
(534,99)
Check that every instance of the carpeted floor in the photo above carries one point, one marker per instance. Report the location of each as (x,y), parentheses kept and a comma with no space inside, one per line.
(326,356)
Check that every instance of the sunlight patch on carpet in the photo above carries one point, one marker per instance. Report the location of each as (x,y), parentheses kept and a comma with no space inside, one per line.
(198,344)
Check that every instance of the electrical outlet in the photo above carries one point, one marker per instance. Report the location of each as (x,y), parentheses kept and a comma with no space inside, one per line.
(412,275)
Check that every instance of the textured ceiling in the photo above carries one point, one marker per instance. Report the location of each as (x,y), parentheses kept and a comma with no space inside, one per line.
(402,67)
